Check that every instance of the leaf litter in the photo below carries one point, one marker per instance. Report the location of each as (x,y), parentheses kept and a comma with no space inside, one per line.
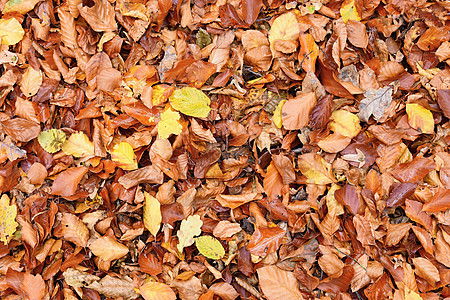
(224,150)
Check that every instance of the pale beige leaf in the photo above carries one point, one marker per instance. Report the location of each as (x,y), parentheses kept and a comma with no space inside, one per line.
(115,287)
(74,230)
(278,284)
(360,277)
(330,263)
(226,229)
(107,248)
(31,81)
(425,269)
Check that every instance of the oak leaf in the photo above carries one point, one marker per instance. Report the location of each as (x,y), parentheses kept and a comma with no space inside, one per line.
(375,103)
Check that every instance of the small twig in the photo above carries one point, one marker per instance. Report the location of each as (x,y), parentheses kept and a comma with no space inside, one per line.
(350,258)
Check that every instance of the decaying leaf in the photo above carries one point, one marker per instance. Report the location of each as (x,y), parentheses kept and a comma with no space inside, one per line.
(8,222)
(375,103)
(189,228)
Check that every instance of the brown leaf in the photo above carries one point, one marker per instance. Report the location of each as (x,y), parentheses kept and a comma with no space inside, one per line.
(338,284)
(37,173)
(414,210)
(149,264)
(425,238)
(100,17)
(277,284)
(233,201)
(226,229)
(74,230)
(305,278)
(363,230)
(381,289)
(357,34)
(149,174)
(400,193)
(425,269)
(66,182)
(285,168)
(107,248)
(321,113)
(224,290)
(273,182)
(439,202)
(266,240)
(413,171)
(33,286)
(21,130)
(295,112)
(350,198)
(396,232)
(443,99)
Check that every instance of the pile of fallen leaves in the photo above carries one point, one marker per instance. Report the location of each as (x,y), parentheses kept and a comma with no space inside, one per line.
(224,149)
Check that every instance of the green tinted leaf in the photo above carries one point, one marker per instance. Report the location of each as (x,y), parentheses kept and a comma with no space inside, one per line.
(52,140)
(191,102)
(210,247)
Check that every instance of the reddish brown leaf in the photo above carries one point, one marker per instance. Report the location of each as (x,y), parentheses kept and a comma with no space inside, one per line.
(439,202)
(337,284)
(266,240)
(66,182)
(349,197)
(149,264)
(399,194)
(413,171)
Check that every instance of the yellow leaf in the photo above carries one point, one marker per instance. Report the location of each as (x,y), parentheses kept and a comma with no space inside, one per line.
(189,228)
(191,102)
(124,157)
(349,11)
(316,169)
(11,32)
(107,248)
(210,247)
(152,213)
(277,114)
(411,295)
(21,6)
(78,145)
(420,118)
(284,28)
(169,124)
(161,93)
(157,291)
(52,140)
(8,222)
(31,81)
(345,123)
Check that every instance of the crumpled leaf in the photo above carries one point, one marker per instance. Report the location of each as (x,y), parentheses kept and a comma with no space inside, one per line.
(209,247)
(124,157)
(191,102)
(189,228)
(52,140)
(420,118)
(114,287)
(156,291)
(169,124)
(78,145)
(12,151)
(375,103)
(11,32)
(152,213)
(8,222)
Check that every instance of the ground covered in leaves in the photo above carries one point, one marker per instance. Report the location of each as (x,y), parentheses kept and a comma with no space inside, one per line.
(224,149)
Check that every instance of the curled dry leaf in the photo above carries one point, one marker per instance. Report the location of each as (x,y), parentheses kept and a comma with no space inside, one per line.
(233,201)
(149,174)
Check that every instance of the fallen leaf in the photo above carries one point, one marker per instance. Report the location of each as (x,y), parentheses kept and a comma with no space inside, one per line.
(295,112)
(11,31)
(78,145)
(52,140)
(316,169)
(277,284)
(439,202)
(191,102)
(113,287)
(426,270)
(156,291)
(31,81)
(107,248)
(420,118)
(189,228)
(8,224)
(349,11)
(265,241)
(209,247)
(284,28)
(233,201)
(124,157)
(74,230)
(345,123)
(66,182)
(33,286)
(375,103)
(152,213)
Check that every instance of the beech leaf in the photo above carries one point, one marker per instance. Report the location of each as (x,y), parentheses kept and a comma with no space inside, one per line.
(124,157)
(78,145)
(152,213)
(209,247)
(8,222)
(191,102)
(52,140)
(375,103)
(11,32)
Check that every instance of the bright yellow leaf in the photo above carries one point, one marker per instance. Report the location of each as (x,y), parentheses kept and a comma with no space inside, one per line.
(189,228)
(349,11)
(78,145)
(157,291)
(124,157)
(169,124)
(210,247)
(411,295)
(8,222)
(31,81)
(284,28)
(420,118)
(11,32)
(316,169)
(191,102)
(52,140)
(345,123)
(152,214)
(277,114)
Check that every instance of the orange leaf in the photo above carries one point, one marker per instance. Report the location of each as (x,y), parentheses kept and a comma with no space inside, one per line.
(233,201)
(157,291)
(266,240)
(33,286)
(316,169)
(439,202)
(107,248)
(309,51)
(74,230)
(295,112)
(278,284)
(67,181)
